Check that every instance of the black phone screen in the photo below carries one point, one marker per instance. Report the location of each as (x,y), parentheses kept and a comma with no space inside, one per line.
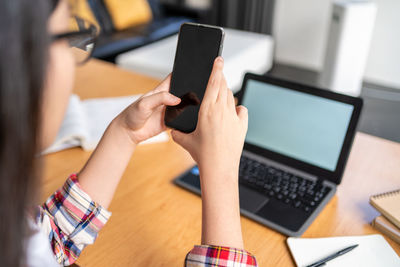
(198,46)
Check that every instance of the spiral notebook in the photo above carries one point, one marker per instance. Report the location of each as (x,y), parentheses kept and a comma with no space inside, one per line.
(389,205)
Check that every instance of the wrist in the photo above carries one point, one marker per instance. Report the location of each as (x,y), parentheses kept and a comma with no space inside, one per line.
(120,130)
(229,169)
(215,176)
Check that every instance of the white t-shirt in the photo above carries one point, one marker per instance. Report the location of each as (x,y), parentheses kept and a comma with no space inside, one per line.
(38,250)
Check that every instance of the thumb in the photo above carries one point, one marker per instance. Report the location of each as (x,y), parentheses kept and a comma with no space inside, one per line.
(153,101)
(180,138)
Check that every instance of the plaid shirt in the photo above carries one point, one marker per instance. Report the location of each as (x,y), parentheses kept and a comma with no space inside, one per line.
(72,220)
(202,256)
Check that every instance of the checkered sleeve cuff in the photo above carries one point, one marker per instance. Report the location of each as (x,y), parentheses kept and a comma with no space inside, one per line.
(219,256)
(71,220)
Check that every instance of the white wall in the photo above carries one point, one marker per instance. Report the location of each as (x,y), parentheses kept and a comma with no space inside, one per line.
(301,29)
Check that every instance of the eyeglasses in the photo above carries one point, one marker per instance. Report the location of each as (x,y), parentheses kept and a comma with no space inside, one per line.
(82,39)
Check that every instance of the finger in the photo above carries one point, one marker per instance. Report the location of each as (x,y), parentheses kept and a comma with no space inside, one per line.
(161,98)
(211,94)
(180,138)
(162,87)
(223,90)
(242,113)
(231,99)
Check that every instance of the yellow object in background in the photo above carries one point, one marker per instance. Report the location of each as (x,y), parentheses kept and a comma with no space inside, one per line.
(128,13)
(81,8)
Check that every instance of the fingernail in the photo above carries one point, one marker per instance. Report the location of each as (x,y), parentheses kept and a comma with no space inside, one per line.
(175,98)
(219,60)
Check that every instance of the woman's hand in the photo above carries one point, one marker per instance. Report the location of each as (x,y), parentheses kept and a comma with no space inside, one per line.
(216,145)
(145,117)
(138,122)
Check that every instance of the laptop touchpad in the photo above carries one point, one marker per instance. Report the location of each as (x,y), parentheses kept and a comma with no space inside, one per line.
(251,200)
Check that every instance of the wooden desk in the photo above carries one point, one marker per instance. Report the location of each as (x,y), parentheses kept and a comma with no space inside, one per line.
(154,223)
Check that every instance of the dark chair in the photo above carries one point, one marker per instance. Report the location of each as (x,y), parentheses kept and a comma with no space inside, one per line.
(112,42)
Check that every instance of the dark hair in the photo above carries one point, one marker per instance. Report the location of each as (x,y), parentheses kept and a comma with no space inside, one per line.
(24,42)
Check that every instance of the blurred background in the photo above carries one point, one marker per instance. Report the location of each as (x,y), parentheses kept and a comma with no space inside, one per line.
(301,33)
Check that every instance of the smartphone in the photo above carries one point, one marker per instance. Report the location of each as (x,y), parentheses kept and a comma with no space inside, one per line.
(198,46)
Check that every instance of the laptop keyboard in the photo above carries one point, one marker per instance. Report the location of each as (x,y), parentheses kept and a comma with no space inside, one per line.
(286,187)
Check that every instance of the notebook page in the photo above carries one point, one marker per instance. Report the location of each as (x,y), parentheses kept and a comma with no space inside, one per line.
(372,251)
(99,113)
(73,130)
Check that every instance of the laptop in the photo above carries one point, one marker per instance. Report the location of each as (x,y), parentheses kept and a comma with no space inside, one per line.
(296,148)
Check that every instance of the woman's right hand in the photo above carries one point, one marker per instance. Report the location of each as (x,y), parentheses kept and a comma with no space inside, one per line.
(216,144)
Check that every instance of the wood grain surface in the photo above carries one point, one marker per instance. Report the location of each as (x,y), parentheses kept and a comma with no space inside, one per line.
(155,223)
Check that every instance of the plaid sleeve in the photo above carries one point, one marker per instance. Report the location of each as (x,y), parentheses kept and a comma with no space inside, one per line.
(201,256)
(71,220)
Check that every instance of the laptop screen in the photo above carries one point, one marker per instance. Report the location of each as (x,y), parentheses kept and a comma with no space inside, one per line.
(305,127)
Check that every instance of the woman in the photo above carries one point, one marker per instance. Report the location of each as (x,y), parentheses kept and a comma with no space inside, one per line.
(36,79)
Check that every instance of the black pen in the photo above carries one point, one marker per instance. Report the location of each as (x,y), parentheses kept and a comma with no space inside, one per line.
(331,257)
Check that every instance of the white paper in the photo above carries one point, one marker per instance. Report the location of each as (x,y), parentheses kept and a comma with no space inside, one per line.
(73,129)
(162,137)
(85,122)
(99,113)
(372,251)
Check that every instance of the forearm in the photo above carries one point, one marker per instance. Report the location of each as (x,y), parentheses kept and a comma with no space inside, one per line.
(221,214)
(103,171)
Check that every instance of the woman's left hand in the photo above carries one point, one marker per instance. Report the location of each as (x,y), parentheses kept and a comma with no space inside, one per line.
(138,122)
(145,117)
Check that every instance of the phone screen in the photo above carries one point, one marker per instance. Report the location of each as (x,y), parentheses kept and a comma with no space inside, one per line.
(198,46)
